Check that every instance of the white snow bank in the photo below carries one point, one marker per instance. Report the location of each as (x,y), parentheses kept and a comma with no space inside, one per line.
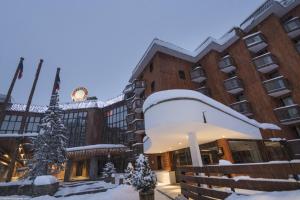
(22,182)
(13,135)
(191,94)
(45,180)
(276,139)
(122,192)
(225,162)
(286,195)
(96,146)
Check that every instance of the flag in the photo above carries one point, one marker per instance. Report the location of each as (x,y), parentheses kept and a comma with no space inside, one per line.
(204,118)
(20,69)
(57,82)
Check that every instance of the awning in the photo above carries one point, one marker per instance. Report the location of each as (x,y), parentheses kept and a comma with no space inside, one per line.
(83,152)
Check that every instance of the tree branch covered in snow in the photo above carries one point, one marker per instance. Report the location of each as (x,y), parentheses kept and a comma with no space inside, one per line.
(144,179)
(50,144)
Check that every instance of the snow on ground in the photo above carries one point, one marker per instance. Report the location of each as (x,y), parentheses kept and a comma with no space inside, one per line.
(44,180)
(77,187)
(286,195)
(114,192)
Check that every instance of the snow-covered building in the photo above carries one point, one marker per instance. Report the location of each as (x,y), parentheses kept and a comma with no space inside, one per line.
(97,131)
(252,69)
(247,108)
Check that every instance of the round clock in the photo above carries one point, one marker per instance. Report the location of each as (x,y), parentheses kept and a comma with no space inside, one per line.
(79,94)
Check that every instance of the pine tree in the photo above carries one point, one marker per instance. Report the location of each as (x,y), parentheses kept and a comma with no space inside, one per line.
(144,179)
(50,144)
(109,169)
(129,173)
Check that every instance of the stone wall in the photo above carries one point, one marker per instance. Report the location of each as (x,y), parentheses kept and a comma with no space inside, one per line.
(29,189)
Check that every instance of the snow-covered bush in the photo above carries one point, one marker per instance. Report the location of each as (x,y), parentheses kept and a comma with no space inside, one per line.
(50,144)
(109,169)
(144,179)
(129,173)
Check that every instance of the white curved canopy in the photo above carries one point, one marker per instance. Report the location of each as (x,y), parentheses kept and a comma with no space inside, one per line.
(170,115)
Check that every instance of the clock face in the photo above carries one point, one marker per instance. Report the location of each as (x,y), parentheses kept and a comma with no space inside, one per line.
(79,94)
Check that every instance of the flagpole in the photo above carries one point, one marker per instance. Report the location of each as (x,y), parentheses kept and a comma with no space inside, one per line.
(11,87)
(55,81)
(36,78)
(23,123)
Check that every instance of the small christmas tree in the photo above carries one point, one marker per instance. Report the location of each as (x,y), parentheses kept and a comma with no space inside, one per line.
(144,179)
(129,173)
(109,169)
(50,144)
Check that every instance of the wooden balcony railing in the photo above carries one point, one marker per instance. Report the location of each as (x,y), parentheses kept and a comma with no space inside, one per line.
(207,182)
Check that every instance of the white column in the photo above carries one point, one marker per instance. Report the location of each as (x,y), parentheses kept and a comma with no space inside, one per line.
(194,149)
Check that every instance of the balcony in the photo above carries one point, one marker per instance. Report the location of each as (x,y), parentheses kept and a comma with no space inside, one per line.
(288,115)
(131,117)
(255,42)
(197,74)
(137,105)
(129,102)
(128,89)
(265,63)
(227,64)
(204,90)
(242,107)
(139,87)
(277,86)
(292,27)
(138,126)
(233,85)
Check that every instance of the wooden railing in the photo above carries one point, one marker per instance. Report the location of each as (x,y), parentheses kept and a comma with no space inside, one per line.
(215,181)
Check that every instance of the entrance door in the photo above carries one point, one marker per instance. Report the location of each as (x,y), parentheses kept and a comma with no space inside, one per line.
(79,168)
(159,165)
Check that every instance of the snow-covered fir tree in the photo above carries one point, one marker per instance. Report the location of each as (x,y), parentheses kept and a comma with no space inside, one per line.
(109,169)
(144,179)
(50,144)
(129,173)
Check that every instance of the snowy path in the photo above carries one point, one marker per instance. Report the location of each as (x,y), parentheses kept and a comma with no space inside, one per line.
(114,192)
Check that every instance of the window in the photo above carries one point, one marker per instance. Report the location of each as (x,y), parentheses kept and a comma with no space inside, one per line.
(115,124)
(240,97)
(286,101)
(151,67)
(297,128)
(75,123)
(245,151)
(231,74)
(273,74)
(181,74)
(153,86)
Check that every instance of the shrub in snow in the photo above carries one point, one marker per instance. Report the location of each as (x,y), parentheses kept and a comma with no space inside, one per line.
(144,179)
(108,170)
(224,162)
(50,144)
(44,180)
(129,173)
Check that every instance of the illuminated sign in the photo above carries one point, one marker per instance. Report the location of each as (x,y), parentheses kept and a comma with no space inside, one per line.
(79,94)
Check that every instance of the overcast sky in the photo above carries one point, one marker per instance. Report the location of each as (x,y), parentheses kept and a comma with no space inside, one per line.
(97,43)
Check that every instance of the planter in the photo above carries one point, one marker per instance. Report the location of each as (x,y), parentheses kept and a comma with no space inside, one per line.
(149,195)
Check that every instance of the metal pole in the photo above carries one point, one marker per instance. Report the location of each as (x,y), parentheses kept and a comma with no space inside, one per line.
(8,95)
(54,84)
(23,124)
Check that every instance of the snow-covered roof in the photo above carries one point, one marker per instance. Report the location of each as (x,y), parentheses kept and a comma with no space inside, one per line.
(96,146)
(67,106)
(158,97)
(15,135)
(277,7)
(209,44)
